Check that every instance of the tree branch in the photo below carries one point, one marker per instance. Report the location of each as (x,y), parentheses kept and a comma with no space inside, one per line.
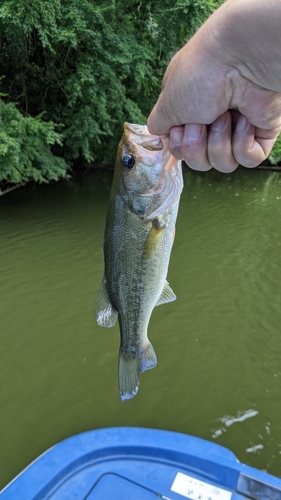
(11,188)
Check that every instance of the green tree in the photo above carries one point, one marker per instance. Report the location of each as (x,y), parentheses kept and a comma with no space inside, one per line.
(74,70)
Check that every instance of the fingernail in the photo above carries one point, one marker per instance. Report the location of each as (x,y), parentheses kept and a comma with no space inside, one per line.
(219,123)
(241,124)
(193,131)
(176,134)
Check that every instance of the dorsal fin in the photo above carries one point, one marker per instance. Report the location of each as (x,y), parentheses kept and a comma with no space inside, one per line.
(105,313)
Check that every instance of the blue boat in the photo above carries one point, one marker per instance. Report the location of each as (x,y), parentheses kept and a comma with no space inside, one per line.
(127,463)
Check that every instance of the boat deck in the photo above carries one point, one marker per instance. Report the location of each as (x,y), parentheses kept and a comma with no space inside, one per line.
(126,463)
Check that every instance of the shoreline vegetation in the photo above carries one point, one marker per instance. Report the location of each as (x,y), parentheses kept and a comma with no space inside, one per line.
(72,72)
(8,188)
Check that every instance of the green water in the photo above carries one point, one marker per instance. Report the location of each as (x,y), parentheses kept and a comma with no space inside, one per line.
(218,346)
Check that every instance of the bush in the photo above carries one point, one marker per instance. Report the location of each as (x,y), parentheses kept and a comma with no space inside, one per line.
(75,70)
(25,148)
(275,155)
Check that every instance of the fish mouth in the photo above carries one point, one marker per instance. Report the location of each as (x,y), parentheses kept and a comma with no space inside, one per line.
(143,138)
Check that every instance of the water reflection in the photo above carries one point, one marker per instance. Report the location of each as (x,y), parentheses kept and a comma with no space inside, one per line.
(228,421)
(218,346)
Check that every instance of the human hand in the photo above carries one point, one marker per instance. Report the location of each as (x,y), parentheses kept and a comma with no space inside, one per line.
(221,97)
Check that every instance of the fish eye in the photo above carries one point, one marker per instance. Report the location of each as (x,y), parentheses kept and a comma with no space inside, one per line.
(128,161)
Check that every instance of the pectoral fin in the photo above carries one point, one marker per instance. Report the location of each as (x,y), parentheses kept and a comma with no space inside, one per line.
(167,295)
(153,237)
(106,315)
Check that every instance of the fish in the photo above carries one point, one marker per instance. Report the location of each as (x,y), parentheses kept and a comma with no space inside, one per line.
(139,234)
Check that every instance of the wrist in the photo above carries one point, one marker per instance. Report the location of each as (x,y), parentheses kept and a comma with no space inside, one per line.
(247,37)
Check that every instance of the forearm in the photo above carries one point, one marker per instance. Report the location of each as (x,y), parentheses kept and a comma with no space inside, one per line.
(249,32)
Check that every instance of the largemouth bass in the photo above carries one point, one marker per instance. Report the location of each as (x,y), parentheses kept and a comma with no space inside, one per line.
(139,234)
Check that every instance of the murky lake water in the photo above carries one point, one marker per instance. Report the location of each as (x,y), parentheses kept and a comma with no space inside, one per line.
(218,346)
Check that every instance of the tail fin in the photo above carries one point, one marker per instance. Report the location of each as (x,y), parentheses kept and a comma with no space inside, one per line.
(131,364)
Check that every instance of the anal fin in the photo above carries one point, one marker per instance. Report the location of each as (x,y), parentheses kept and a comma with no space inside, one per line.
(167,295)
(148,358)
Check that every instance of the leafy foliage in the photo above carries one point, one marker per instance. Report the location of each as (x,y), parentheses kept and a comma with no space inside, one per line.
(27,141)
(72,71)
(275,155)
(75,70)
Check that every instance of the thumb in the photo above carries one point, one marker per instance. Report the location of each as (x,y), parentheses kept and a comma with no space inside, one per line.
(158,122)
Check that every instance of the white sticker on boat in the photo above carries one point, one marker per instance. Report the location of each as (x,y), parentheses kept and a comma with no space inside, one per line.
(194,489)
